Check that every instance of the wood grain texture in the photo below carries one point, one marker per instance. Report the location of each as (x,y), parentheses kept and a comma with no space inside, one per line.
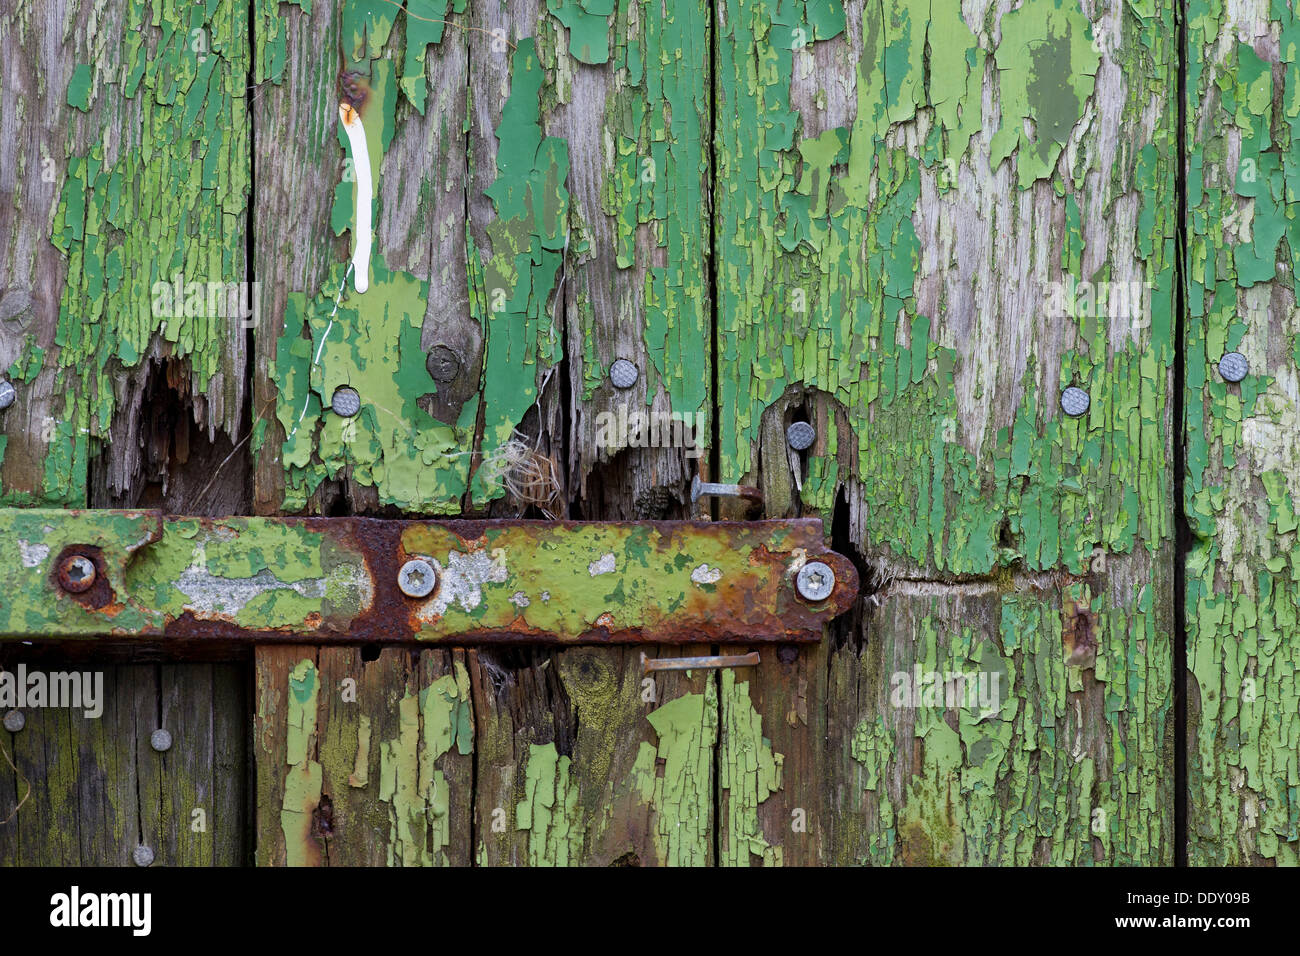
(1242,468)
(885,273)
(98,790)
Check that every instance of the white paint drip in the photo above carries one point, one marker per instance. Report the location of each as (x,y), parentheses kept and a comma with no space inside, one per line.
(365,194)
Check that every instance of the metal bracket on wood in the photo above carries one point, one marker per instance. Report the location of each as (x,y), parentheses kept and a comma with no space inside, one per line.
(142,574)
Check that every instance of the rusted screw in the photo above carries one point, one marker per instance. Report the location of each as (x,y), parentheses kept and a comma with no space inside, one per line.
(1233,367)
(142,855)
(77,573)
(417,578)
(815,581)
(160,740)
(7,394)
(346,401)
(701,488)
(15,721)
(443,363)
(800,436)
(623,373)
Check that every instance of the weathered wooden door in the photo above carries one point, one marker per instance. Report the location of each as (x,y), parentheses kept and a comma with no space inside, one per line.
(991,252)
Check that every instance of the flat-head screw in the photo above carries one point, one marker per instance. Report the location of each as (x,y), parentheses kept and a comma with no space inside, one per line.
(15,721)
(1233,366)
(1075,401)
(700,489)
(346,401)
(76,573)
(8,394)
(815,581)
(623,373)
(443,363)
(160,740)
(142,855)
(417,578)
(800,436)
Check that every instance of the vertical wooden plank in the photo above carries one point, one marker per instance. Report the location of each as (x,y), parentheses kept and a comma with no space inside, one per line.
(125,171)
(99,790)
(363,762)
(410,445)
(1242,473)
(192,795)
(130,181)
(583,758)
(901,265)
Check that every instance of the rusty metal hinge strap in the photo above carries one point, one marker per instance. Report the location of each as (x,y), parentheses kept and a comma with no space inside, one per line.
(142,574)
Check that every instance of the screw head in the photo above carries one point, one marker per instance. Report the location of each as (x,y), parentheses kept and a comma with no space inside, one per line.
(8,394)
(160,740)
(76,573)
(142,855)
(815,581)
(800,436)
(1233,366)
(346,401)
(623,373)
(1075,401)
(15,721)
(443,363)
(417,578)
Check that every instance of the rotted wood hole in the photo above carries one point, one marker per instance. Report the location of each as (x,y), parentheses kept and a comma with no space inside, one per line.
(580,260)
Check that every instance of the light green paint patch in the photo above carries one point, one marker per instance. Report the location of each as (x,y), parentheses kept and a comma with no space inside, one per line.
(426,21)
(370,343)
(549,809)
(683,794)
(302,784)
(1047,68)
(749,772)
(430,724)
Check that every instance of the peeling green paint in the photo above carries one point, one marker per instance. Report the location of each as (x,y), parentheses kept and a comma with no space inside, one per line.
(1243,466)
(170,201)
(371,341)
(749,772)
(302,784)
(820,233)
(431,722)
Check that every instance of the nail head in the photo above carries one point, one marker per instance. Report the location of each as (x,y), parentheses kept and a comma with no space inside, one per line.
(800,436)
(623,373)
(346,401)
(8,394)
(142,855)
(1075,401)
(160,740)
(1233,367)
(15,721)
